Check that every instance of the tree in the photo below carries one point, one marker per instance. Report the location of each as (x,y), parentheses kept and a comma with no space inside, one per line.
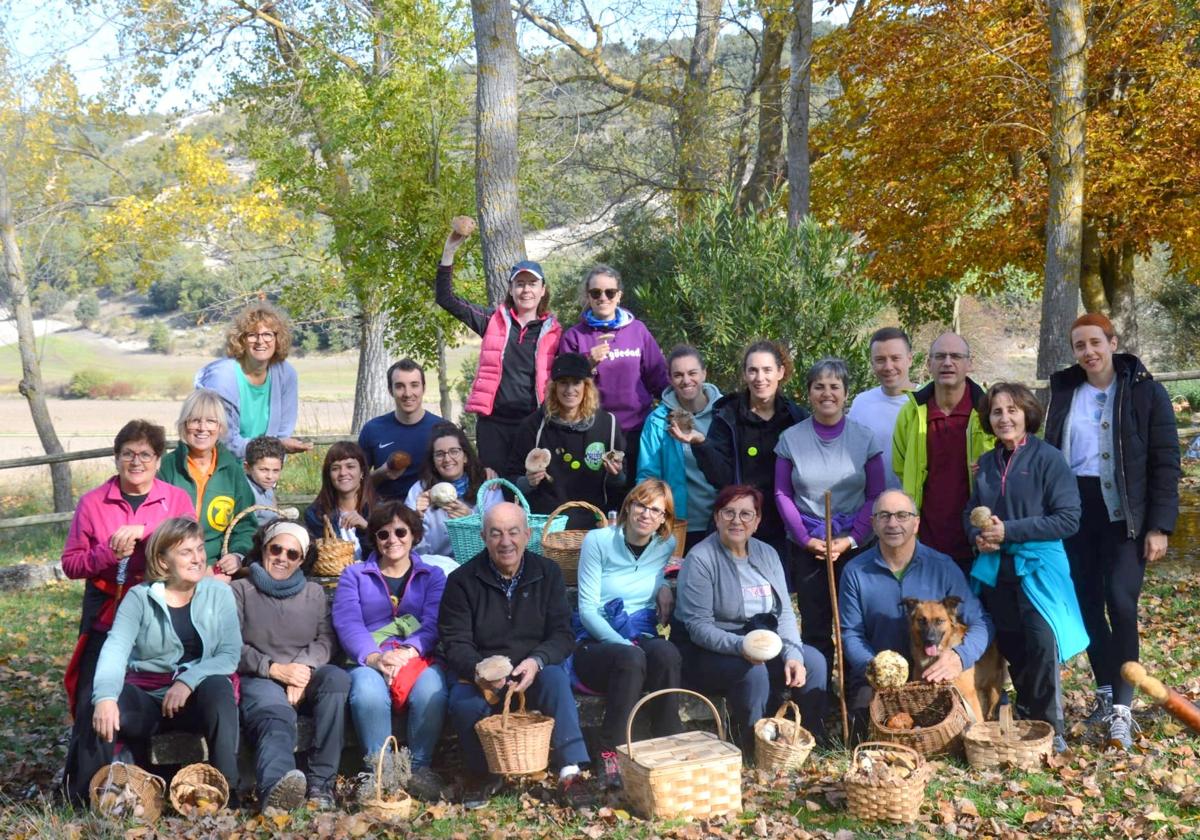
(799,176)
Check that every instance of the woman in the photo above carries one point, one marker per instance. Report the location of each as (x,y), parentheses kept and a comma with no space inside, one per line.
(169,656)
(1116,427)
(287,647)
(256,382)
(739,447)
(826,452)
(661,456)
(730,584)
(452,459)
(213,478)
(623,597)
(106,547)
(520,339)
(1022,572)
(580,437)
(629,368)
(345,497)
(385,613)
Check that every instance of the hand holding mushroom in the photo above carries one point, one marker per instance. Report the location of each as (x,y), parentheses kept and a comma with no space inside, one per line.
(536,464)
(461,227)
(991,533)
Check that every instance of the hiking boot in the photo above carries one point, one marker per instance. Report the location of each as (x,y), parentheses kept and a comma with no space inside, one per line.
(480,792)
(288,793)
(425,785)
(1121,728)
(320,798)
(611,770)
(1102,707)
(1060,744)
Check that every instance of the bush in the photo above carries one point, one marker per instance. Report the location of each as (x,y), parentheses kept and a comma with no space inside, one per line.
(88,309)
(97,385)
(159,340)
(462,390)
(48,300)
(179,387)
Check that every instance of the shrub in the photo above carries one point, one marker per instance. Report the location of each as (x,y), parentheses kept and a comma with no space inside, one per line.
(88,309)
(462,389)
(97,385)
(179,387)
(48,300)
(159,339)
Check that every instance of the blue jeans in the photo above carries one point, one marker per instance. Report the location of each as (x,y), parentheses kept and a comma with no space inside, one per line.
(550,694)
(371,711)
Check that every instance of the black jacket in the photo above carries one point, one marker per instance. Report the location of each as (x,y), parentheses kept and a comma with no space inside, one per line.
(1145,437)
(1036,497)
(476,620)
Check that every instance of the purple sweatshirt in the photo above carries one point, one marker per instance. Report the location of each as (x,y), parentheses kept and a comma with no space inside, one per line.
(362,604)
(633,373)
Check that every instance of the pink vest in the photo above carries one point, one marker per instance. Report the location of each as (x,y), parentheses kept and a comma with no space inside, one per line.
(491,360)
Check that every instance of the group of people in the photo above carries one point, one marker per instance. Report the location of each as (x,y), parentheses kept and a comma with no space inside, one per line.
(196,616)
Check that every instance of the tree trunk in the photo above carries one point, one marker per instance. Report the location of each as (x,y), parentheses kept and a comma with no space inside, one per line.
(1064,219)
(496,155)
(444,390)
(371,387)
(769,168)
(31,386)
(1091,283)
(694,129)
(1117,271)
(799,183)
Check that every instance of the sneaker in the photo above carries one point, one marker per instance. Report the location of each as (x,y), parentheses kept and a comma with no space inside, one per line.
(288,793)
(480,793)
(426,785)
(573,792)
(1121,727)
(320,798)
(1101,708)
(611,773)
(1060,744)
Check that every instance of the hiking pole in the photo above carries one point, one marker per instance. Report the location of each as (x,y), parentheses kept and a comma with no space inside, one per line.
(837,619)
(1181,708)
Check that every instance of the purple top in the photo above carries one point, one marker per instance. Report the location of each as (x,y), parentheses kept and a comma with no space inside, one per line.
(362,604)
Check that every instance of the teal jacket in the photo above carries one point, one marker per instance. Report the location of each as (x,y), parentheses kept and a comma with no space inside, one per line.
(226,494)
(661,456)
(142,638)
(608,570)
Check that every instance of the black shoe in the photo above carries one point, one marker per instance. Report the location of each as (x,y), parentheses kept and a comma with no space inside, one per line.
(426,785)
(287,794)
(320,798)
(480,792)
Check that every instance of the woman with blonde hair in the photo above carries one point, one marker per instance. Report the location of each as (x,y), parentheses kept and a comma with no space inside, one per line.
(255,381)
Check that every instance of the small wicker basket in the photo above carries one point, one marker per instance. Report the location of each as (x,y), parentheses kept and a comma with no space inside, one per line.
(466,532)
(937,711)
(516,743)
(679,532)
(1024,744)
(397,808)
(333,553)
(131,787)
(790,748)
(198,782)
(895,800)
(563,546)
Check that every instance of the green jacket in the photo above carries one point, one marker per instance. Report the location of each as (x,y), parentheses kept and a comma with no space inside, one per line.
(909,455)
(227,493)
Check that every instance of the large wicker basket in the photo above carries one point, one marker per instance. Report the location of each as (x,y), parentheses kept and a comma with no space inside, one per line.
(1024,744)
(516,743)
(892,800)
(117,790)
(466,532)
(399,806)
(790,747)
(938,714)
(195,782)
(333,553)
(563,546)
(693,774)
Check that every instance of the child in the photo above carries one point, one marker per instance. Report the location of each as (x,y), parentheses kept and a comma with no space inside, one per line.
(264,462)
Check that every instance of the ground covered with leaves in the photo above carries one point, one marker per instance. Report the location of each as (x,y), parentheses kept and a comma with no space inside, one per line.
(1154,791)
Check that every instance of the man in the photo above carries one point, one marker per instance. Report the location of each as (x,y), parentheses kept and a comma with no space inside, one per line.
(406,429)
(936,444)
(871,601)
(877,409)
(510,602)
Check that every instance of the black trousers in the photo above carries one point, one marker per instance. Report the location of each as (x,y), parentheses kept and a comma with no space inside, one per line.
(84,754)
(1107,568)
(493,441)
(810,577)
(623,673)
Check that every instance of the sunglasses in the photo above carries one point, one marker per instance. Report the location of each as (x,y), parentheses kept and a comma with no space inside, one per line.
(275,549)
(596,294)
(398,533)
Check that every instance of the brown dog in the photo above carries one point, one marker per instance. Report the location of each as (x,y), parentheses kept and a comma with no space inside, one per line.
(933,627)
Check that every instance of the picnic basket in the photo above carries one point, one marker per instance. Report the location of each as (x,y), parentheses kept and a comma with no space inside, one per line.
(893,799)
(515,743)
(196,784)
(562,546)
(1023,744)
(118,790)
(692,774)
(466,537)
(938,714)
(333,553)
(790,747)
(399,808)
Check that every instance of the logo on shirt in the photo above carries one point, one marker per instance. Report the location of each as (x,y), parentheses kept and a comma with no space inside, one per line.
(759,591)
(628,353)
(593,456)
(219,512)
(384,445)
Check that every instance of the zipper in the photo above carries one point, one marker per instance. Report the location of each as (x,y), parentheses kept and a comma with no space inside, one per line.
(1118,424)
(1008,466)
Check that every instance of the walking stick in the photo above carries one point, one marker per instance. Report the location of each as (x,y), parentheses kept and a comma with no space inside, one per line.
(1181,708)
(837,619)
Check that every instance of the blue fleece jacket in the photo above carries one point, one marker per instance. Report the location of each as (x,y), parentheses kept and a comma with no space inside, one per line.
(221,376)
(608,570)
(663,457)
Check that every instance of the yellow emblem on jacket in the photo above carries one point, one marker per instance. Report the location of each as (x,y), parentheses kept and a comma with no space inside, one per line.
(219,512)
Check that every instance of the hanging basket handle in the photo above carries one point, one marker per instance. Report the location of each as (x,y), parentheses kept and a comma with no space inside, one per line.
(482,492)
(785,707)
(395,745)
(601,516)
(508,697)
(629,723)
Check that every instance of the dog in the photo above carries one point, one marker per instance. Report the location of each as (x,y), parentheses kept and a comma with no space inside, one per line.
(933,627)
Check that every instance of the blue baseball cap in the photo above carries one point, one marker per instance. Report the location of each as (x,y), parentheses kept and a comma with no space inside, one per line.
(526,266)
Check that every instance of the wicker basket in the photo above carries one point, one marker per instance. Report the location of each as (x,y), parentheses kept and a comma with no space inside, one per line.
(399,808)
(515,743)
(893,800)
(290,514)
(333,553)
(679,531)
(125,779)
(791,746)
(563,546)
(937,712)
(1024,744)
(466,532)
(198,779)
(693,774)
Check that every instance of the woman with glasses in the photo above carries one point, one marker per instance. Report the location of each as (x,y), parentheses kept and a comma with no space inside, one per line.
(450,459)
(1116,427)
(213,477)
(623,598)
(345,497)
(385,613)
(256,382)
(520,339)
(287,648)
(629,367)
(730,584)
(106,547)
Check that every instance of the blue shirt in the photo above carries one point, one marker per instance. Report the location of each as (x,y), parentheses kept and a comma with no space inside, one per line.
(383,435)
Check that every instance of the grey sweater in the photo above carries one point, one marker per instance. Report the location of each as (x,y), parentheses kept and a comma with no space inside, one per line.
(709,601)
(283,630)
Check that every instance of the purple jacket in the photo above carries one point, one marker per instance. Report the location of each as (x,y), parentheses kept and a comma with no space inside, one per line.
(633,373)
(362,604)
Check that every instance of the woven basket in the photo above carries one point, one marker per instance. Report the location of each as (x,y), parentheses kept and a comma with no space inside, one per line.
(515,743)
(893,800)
(563,546)
(937,712)
(120,778)
(466,532)
(1024,744)
(791,746)
(693,774)
(193,778)
(399,808)
(284,513)
(679,531)
(333,553)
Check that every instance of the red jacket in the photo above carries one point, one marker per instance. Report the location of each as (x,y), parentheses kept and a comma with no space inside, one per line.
(491,360)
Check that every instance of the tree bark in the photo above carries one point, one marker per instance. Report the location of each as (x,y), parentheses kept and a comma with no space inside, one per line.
(445,392)
(799,176)
(769,167)
(695,133)
(1119,292)
(1064,218)
(371,387)
(496,155)
(31,386)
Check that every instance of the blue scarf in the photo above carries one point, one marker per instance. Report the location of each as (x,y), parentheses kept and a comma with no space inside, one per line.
(461,484)
(620,318)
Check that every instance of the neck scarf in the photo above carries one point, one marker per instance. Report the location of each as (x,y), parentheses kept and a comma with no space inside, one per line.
(592,321)
(273,588)
(461,484)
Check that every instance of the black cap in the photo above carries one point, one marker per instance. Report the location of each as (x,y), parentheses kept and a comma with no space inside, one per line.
(571,366)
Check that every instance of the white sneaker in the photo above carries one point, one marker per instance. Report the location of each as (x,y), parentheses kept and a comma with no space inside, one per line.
(1121,727)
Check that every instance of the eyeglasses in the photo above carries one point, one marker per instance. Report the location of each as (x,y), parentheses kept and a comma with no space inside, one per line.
(383,535)
(638,507)
(729,514)
(885,516)
(275,549)
(954,357)
(596,294)
(264,337)
(129,456)
(202,423)
(443,454)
